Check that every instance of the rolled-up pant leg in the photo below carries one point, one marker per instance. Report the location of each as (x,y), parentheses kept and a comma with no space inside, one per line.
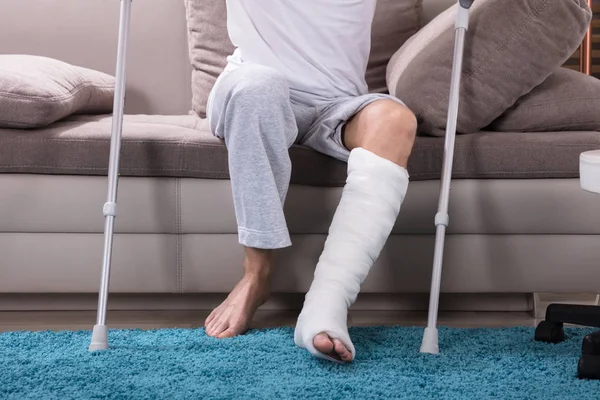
(250,109)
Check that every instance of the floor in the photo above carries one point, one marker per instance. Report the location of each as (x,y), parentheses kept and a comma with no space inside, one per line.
(84,320)
(147,319)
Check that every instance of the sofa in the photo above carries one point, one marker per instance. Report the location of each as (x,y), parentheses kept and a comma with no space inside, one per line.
(519,222)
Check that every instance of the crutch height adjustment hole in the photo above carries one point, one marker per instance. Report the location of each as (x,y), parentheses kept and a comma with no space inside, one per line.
(442,219)
(110,209)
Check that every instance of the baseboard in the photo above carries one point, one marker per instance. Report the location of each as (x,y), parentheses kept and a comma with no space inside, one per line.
(513,302)
(543,300)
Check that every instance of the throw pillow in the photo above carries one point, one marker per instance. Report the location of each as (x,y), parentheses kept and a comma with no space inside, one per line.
(395,22)
(511,47)
(567,101)
(209,44)
(37,91)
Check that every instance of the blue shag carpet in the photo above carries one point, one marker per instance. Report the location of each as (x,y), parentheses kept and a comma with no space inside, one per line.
(265,364)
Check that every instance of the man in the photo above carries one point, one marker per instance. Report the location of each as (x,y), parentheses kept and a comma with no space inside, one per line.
(298,76)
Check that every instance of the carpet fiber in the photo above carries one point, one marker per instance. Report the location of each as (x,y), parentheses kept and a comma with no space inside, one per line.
(186,364)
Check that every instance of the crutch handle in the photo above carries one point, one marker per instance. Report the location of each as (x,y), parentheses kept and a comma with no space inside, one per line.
(466,3)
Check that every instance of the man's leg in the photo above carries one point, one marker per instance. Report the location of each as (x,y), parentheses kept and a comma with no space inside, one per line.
(379,139)
(385,128)
(251,111)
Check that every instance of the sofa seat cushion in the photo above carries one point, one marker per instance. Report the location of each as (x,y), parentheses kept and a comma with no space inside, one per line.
(182,146)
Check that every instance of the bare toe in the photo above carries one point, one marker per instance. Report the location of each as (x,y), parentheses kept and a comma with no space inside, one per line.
(326,345)
(233,316)
(211,317)
(333,348)
(220,327)
(229,333)
(215,318)
(342,350)
(323,343)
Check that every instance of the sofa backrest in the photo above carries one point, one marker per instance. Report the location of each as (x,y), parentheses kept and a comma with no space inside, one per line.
(85,33)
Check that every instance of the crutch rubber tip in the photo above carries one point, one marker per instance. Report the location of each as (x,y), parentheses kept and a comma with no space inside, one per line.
(430,341)
(99,338)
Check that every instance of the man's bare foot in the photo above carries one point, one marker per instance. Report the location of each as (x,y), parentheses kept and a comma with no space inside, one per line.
(332,347)
(233,316)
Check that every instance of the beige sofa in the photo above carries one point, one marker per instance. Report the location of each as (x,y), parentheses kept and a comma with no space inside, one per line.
(519,223)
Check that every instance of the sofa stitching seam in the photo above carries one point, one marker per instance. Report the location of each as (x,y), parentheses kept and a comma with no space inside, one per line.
(26,98)
(551,103)
(182,163)
(178,262)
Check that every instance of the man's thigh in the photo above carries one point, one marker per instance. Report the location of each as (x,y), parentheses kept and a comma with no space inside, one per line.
(326,135)
(260,90)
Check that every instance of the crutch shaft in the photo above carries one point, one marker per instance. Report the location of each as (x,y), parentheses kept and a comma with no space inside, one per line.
(442,218)
(119,103)
(436,278)
(430,336)
(105,279)
(99,333)
(110,207)
(451,129)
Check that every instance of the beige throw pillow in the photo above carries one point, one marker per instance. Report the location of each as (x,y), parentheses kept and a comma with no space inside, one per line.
(511,47)
(37,91)
(209,44)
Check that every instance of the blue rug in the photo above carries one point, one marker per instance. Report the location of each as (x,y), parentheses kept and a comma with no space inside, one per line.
(186,364)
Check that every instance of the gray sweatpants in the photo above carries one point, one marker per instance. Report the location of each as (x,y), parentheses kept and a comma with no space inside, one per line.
(251,109)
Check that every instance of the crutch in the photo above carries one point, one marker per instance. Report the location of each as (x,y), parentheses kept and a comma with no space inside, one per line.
(430,337)
(100,332)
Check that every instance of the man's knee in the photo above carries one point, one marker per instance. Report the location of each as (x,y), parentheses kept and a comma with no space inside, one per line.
(258,105)
(386,128)
(390,123)
(258,84)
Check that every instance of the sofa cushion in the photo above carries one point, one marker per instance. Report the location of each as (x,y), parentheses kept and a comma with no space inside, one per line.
(567,100)
(36,91)
(209,44)
(511,47)
(394,23)
(181,146)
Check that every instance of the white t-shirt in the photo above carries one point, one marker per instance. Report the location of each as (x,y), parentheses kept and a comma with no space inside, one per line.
(321,46)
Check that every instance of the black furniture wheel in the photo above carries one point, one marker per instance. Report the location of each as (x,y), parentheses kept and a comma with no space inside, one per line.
(591,344)
(588,367)
(550,332)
